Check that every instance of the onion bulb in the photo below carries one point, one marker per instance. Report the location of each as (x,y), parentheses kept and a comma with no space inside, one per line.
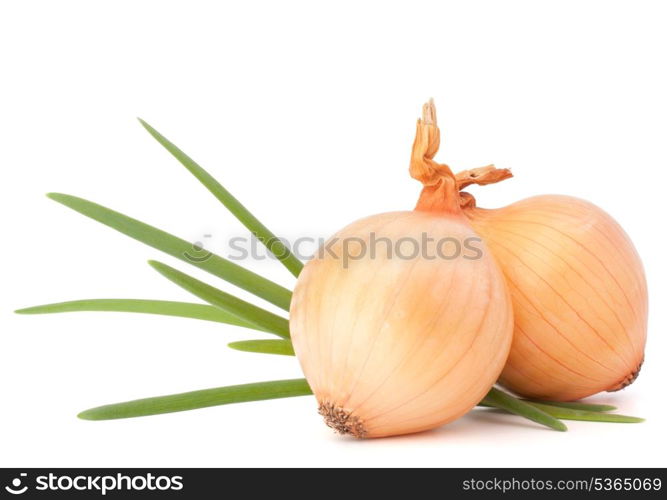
(394,340)
(578,289)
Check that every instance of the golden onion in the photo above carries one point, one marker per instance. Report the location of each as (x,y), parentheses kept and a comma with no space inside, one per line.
(578,289)
(392,341)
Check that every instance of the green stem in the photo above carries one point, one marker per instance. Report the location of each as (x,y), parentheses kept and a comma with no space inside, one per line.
(245,311)
(499,399)
(574,405)
(161,307)
(181,249)
(263,234)
(589,416)
(199,399)
(273,346)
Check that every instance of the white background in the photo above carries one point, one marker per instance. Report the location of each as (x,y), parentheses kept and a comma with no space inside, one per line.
(306,111)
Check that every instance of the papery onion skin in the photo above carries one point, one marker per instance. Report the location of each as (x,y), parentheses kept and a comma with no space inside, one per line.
(393,345)
(579,294)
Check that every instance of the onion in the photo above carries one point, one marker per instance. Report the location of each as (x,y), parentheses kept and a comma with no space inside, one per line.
(393,344)
(578,289)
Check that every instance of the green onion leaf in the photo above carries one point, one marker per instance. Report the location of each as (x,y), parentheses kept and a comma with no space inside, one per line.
(199,399)
(263,234)
(245,311)
(589,416)
(179,248)
(574,405)
(282,347)
(162,307)
(499,399)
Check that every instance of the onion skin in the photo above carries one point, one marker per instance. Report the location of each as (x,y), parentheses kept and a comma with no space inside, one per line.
(579,294)
(392,346)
